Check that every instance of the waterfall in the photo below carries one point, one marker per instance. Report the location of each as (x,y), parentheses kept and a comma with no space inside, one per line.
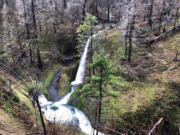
(80,72)
(59,111)
(82,66)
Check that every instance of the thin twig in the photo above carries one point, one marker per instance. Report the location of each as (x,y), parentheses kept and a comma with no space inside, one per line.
(154,127)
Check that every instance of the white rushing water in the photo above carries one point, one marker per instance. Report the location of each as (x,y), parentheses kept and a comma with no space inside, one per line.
(60,112)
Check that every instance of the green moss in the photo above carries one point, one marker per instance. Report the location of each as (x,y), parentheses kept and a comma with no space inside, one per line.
(7,107)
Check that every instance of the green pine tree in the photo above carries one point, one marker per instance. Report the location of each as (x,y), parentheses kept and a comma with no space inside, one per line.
(97,86)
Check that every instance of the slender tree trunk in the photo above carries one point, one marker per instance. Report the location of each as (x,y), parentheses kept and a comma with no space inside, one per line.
(161,17)
(95,7)
(151,13)
(91,53)
(125,47)
(84,10)
(160,22)
(108,12)
(119,16)
(93,70)
(27,32)
(65,4)
(126,42)
(46,28)
(40,27)
(41,115)
(164,28)
(175,20)
(1,5)
(176,57)
(95,120)
(91,7)
(54,27)
(19,41)
(1,23)
(100,98)
(40,65)
(55,19)
(130,38)
(34,18)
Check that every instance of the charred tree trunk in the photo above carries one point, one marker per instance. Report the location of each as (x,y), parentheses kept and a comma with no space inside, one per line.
(39,59)
(27,32)
(54,27)
(65,4)
(126,42)
(95,119)
(130,38)
(161,17)
(84,10)
(40,27)
(34,18)
(100,98)
(1,27)
(46,28)
(175,20)
(160,22)
(55,19)
(19,41)
(95,8)
(40,112)
(151,13)
(1,20)
(40,65)
(108,10)
(176,57)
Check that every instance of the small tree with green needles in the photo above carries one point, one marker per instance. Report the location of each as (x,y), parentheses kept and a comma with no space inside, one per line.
(85,27)
(97,83)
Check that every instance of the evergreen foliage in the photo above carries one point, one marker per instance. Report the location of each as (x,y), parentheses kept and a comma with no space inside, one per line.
(92,87)
(84,28)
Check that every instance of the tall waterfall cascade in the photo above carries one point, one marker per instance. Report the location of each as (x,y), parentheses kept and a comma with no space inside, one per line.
(60,112)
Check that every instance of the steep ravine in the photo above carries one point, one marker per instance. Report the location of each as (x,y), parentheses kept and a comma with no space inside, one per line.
(59,111)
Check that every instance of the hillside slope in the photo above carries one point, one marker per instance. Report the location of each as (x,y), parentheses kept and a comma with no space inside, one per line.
(19,115)
(144,90)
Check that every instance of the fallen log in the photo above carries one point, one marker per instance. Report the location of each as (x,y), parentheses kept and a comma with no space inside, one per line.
(162,35)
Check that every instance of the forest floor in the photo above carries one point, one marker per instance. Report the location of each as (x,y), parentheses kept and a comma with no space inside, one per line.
(7,126)
(14,98)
